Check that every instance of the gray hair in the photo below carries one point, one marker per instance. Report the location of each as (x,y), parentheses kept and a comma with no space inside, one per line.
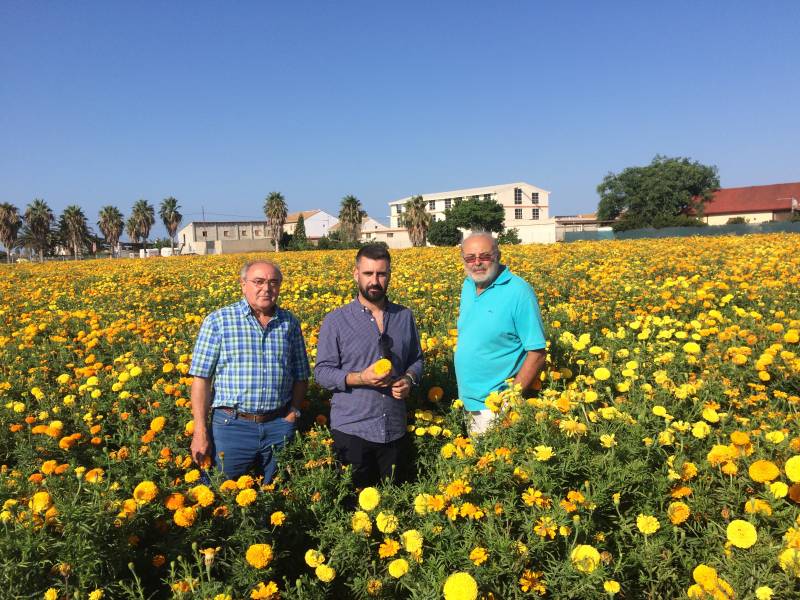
(485,234)
(246,267)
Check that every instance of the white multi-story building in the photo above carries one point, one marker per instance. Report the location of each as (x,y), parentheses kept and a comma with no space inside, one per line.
(526,208)
(224,237)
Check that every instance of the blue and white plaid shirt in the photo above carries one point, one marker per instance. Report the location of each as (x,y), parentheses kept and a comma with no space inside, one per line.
(254,367)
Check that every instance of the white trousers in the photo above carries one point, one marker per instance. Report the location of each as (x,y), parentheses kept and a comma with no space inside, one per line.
(479,422)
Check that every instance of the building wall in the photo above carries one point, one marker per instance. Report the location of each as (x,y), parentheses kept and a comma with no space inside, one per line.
(762,217)
(528,198)
(200,238)
(537,233)
(396,239)
(319,224)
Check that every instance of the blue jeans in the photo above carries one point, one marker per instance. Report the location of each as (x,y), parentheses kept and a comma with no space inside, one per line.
(239,443)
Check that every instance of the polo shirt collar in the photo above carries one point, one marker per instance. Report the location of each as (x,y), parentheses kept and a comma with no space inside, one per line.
(357,307)
(503,277)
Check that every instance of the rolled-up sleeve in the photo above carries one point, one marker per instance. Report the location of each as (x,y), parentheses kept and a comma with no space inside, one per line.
(328,370)
(206,349)
(299,357)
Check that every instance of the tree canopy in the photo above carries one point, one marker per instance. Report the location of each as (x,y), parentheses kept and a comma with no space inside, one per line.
(350,216)
(657,195)
(275,210)
(485,215)
(417,220)
(444,233)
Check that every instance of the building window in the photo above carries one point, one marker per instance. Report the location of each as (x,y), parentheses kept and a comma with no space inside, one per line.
(518,213)
(517,196)
(205,234)
(226,233)
(458,199)
(447,203)
(474,197)
(399,209)
(369,236)
(257,232)
(244,232)
(432,204)
(487,197)
(535,197)
(388,235)
(535,214)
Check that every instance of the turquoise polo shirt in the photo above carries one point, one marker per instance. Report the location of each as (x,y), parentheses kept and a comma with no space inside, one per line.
(495,332)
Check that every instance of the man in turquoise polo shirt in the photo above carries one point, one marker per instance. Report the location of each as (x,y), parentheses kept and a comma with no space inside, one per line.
(500,332)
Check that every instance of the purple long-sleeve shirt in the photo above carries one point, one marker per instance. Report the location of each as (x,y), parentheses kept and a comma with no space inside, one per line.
(349,341)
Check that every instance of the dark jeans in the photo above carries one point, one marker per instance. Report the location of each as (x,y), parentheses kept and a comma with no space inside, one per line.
(371,462)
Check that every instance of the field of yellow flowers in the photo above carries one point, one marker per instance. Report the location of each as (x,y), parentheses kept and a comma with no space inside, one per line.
(660,458)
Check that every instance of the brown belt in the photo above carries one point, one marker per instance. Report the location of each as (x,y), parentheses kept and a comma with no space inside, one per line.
(264,417)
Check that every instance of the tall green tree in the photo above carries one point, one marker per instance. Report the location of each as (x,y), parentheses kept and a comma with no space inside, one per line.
(660,194)
(10,222)
(39,220)
(144,216)
(417,220)
(275,210)
(444,233)
(168,211)
(111,223)
(132,229)
(485,215)
(350,216)
(74,229)
(299,238)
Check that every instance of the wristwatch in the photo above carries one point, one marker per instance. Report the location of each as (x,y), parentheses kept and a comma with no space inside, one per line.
(296,411)
(411,380)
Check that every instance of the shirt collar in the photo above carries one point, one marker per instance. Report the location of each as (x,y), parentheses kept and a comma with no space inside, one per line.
(245,309)
(360,308)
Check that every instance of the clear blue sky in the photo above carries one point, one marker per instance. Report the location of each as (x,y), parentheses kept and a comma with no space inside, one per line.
(219,103)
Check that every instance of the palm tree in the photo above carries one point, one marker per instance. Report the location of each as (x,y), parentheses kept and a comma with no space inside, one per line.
(417,220)
(275,211)
(132,229)
(74,228)
(111,224)
(143,215)
(350,216)
(39,218)
(168,211)
(10,223)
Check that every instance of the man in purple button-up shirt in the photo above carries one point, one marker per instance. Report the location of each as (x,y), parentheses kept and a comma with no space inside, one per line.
(368,410)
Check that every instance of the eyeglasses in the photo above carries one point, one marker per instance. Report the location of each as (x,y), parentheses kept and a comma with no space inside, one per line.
(260,283)
(385,343)
(482,257)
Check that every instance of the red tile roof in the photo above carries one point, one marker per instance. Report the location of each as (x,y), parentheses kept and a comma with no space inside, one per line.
(756,198)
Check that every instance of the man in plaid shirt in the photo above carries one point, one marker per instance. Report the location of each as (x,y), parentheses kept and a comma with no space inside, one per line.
(251,370)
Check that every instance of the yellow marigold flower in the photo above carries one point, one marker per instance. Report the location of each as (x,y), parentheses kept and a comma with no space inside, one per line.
(40,502)
(756,506)
(421,504)
(269,591)
(611,587)
(369,498)
(647,524)
(763,593)
(460,586)
(145,492)
(325,573)
(387,522)
(185,516)
(778,489)
(174,501)
(775,437)
(741,533)
(228,486)
(678,512)
(94,475)
(277,518)
(202,495)
(608,440)
(789,561)
(361,523)
(382,367)
(691,348)
(374,587)
(479,555)
(51,594)
(571,426)
(531,581)
(705,577)
(314,558)
(388,548)
(244,482)
(157,424)
(191,476)
(763,471)
(585,558)
(259,555)
(246,497)
(398,567)
(792,468)
(96,594)
(543,453)
(412,541)
(545,527)
(601,374)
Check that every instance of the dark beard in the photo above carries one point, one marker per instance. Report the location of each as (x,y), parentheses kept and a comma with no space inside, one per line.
(373,295)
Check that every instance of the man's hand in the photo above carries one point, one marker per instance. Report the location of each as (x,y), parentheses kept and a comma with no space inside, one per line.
(291,416)
(201,448)
(369,377)
(401,388)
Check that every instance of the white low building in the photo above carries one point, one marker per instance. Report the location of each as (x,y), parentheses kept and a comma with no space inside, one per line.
(526,208)
(224,237)
(317,223)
